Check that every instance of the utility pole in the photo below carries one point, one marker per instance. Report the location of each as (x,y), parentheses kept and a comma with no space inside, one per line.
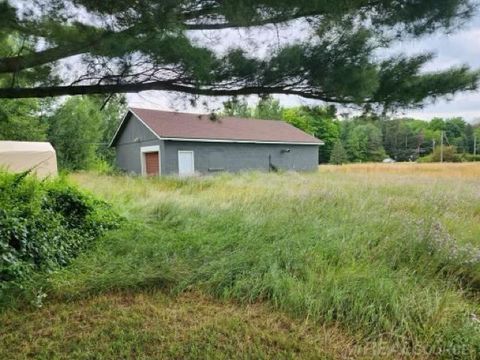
(441,148)
(475,147)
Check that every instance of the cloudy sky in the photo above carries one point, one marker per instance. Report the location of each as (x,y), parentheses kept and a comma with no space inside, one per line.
(462,47)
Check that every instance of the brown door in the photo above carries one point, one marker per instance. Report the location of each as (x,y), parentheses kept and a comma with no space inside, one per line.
(151,163)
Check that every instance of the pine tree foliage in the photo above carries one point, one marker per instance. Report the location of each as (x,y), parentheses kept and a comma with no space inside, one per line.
(111,46)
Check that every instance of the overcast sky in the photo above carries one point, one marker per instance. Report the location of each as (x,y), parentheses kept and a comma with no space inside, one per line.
(462,47)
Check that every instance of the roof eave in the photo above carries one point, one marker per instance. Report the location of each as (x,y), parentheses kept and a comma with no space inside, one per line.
(132,112)
(248,141)
(117,132)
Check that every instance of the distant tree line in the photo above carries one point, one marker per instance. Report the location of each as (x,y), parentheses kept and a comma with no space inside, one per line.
(80,128)
(369,137)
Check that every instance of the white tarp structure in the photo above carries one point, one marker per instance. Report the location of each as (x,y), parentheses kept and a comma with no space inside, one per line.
(17,156)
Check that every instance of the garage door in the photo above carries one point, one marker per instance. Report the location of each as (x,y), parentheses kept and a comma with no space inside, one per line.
(151,163)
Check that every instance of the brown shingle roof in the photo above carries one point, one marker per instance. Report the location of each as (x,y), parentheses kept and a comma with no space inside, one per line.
(194,126)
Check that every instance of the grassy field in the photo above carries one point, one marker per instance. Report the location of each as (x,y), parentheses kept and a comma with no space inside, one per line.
(361,261)
(451,170)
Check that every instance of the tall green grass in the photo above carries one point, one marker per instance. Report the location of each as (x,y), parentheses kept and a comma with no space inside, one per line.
(388,257)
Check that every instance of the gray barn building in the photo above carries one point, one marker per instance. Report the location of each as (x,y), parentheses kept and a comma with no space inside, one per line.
(152,142)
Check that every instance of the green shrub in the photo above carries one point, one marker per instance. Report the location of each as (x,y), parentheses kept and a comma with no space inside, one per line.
(449,155)
(470,157)
(45,224)
(102,166)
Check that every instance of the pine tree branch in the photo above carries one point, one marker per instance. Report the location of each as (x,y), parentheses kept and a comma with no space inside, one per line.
(51,91)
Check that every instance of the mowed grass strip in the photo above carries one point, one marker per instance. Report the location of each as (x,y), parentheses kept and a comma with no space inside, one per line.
(389,258)
(149,324)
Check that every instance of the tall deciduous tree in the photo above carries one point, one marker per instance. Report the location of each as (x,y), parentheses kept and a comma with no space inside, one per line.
(74,131)
(268,108)
(236,107)
(20,120)
(365,144)
(407,139)
(91,46)
(81,131)
(318,121)
(476,131)
(111,114)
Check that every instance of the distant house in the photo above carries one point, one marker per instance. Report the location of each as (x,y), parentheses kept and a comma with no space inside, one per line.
(38,157)
(152,142)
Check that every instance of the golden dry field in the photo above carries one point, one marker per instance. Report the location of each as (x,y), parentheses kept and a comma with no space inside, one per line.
(451,170)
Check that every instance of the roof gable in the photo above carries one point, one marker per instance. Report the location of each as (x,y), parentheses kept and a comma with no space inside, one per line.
(197,127)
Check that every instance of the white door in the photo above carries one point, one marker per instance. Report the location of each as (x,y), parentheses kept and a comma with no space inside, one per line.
(186,164)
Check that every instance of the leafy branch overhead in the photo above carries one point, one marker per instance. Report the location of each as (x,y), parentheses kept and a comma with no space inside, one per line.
(71,47)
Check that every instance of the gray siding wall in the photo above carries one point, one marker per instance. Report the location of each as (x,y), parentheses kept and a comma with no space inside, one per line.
(133,136)
(213,157)
(210,157)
